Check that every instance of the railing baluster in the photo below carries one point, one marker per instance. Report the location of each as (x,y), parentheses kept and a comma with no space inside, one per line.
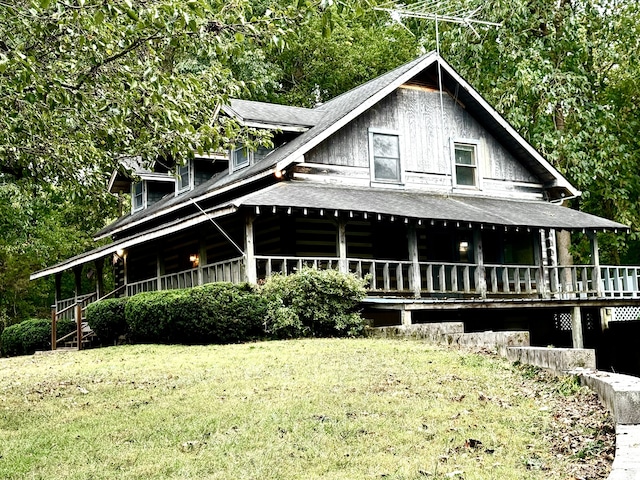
(454,278)
(430,278)
(466,283)
(505,279)
(385,277)
(399,278)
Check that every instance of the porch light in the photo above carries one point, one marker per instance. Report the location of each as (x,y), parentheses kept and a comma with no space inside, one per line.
(279,174)
(194,258)
(464,247)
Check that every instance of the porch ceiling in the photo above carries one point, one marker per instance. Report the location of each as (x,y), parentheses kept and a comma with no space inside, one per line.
(427,206)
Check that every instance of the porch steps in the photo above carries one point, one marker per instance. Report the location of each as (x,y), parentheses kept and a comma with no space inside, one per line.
(71,340)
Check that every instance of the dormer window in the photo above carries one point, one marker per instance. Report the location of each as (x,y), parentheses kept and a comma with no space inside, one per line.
(384,151)
(184,178)
(240,157)
(137,196)
(465,155)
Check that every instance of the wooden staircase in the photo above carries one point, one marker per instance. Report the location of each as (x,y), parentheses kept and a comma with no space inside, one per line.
(70,340)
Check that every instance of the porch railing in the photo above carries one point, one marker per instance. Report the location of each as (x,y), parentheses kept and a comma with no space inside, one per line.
(226,271)
(401,277)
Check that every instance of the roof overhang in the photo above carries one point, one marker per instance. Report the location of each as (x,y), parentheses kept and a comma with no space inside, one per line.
(467,209)
(123,244)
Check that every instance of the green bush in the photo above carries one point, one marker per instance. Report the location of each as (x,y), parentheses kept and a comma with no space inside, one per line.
(213,313)
(30,335)
(106,319)
(317,303)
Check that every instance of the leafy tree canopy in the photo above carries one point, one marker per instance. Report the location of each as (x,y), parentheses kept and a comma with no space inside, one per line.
(84,82)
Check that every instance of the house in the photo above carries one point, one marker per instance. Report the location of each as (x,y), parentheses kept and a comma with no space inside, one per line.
(411,178)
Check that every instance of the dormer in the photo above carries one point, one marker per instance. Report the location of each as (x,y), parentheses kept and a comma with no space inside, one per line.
(198,170)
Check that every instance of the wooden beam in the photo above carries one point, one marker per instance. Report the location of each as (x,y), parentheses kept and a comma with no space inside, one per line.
(480,277)
(412,238)
(576,328)
(595,260)
(99,264)
(77,273)
(343,264)
(249,250)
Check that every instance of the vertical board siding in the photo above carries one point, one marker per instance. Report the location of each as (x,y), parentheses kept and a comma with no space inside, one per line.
(415,114)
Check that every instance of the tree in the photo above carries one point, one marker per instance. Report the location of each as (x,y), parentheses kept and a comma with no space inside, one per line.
(564,73)
(85,82)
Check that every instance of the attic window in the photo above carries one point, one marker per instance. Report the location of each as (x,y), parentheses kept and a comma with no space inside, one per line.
(466,164)
(240,157)
(137,196)
(384,149)
(184,177)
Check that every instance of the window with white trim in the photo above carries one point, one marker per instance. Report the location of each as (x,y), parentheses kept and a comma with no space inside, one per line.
(184,177)
(384,150)
(137,196)
(465,164)
(240,157)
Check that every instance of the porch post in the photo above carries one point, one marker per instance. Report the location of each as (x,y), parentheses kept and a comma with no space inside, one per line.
(202,254)
(99,280)
(77,272)
(58,287)
(54,322)
(159,269)
(249,250)
(539,257)
(480,273)
(343,263)
(405,317)
(554,278)
(79,324)
(576,328)
(595,259)
(416,282)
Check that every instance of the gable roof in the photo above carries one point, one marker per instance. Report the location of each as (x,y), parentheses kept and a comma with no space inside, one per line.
(271,115)
(330,117)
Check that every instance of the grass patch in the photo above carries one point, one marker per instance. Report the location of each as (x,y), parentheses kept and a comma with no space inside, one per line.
(334,409)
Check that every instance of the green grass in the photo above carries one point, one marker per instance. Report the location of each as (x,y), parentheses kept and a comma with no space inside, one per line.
(334,409)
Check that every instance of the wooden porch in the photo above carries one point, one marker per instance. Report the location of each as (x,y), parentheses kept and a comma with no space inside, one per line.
(394,279)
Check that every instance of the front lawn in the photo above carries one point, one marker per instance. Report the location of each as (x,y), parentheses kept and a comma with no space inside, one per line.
(310,409)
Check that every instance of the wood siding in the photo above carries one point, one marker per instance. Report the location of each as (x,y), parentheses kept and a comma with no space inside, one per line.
(414,113)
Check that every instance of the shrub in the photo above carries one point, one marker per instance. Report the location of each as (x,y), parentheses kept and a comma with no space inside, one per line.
(314,303)
(30,335)
(213,313)
(107,319)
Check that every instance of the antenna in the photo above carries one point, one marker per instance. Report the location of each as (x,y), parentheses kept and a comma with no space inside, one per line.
(463,13)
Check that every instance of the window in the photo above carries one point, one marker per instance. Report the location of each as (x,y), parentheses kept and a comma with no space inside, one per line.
(184,177)
(137,196)
(240,157)
(385,157)
(466,167)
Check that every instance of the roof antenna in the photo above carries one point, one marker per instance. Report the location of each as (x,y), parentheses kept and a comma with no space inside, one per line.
(439,11)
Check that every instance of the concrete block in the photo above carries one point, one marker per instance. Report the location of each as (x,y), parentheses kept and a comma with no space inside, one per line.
(626,464)
(424,331)
(619,393)
(498,340)
(556,359)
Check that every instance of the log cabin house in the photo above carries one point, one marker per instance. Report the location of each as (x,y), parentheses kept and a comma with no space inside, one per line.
(411,178)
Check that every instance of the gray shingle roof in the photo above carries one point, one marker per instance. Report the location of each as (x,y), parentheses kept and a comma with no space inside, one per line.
(331,116)
(427,206)
(274,114)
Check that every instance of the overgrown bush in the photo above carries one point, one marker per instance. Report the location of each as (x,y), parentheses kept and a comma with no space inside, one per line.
(30,335)
(213,313)
(317,303)
(106,319)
